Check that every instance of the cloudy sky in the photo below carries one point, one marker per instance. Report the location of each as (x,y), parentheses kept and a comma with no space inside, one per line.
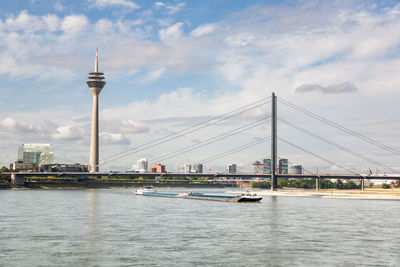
(173,64)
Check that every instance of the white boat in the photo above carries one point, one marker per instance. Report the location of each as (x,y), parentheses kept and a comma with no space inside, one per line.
(248,197)
(146,189)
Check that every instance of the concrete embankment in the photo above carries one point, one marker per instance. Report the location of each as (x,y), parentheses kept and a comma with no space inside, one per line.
(378,194)
(4,185)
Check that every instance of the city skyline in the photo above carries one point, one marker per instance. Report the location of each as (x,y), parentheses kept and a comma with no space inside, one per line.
(174,64)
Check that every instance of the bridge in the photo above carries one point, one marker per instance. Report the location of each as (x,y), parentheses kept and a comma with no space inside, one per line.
(273,138)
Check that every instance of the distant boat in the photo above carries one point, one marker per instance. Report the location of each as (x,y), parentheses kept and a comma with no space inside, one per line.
(245,197)
(146,189)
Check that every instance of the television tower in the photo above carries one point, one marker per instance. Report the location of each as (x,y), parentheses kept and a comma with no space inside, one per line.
(96,83)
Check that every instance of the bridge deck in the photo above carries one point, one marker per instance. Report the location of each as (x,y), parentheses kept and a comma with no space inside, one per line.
(241,176)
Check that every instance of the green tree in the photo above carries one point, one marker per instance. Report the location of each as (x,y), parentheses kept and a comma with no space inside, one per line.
(339,184)
(4,169)
(283,183)
(385,186)
(261,184)
(351,185)
(325,184)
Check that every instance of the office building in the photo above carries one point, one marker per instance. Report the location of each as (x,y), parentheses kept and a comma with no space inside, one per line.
(267,166)
(197,168)
(57,167)
(19,165)
(283,166)
(231,168)
(296,169)
(187,168)
(258,167)
(142,165)
(158,168)
(38,154)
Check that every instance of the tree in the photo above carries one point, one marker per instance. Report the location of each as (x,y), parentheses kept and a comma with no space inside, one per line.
(261,185)
(351,185)
(339,184)
(4,169)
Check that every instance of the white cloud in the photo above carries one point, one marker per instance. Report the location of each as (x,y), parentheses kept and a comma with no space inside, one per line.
(24,21)
(111,138)
(52,22)
(104,26)
(153,75)
(109,3)
(169,8)
(203,30)
(68,133)
(74,24)
(13,126)
(126,126)
(58,6)
(345,87)
(171,34)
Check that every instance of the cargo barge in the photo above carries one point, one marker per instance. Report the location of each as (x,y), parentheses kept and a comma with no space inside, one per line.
(245,197)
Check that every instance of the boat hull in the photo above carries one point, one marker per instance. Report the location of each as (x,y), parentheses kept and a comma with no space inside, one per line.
(239,198)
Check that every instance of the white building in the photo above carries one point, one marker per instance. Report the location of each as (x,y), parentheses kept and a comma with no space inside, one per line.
(142,165)
(231,168)
(187,168)
(197,168)
(379,182)
(38,154)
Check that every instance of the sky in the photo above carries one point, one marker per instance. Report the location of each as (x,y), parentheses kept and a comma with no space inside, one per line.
(173,64)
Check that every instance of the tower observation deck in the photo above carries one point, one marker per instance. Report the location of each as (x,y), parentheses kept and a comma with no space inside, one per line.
(96,83)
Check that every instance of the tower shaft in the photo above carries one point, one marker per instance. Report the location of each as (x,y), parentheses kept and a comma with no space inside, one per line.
(96,83)
(94,141)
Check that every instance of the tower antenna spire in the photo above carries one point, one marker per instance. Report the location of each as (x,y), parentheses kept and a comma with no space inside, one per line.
(96,63)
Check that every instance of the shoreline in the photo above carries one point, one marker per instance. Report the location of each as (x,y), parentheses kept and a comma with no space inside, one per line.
(370,193)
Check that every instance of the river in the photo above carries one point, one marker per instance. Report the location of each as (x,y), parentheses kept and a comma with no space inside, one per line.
(114,227)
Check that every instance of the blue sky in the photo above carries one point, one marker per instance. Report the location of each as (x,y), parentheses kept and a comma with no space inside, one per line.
(169,63)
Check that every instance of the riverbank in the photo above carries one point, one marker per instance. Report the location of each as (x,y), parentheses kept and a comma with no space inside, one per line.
(369,193)
(93,184)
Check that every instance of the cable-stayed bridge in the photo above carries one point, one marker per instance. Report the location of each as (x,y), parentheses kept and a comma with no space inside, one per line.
(273,137)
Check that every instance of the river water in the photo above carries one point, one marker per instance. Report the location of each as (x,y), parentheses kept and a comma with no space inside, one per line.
(114,227)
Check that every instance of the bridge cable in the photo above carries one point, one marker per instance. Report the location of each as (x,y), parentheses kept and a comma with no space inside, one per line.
(340,127)
(211,140)
(320,157)
(250,163)
(181,133)
(338,146)
(235,150)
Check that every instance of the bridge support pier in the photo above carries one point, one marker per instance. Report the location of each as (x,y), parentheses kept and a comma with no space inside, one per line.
(317,184)
(17,179)
(362,184)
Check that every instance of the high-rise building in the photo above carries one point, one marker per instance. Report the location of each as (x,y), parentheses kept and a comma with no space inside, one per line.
(296,169)
(258,167)
(198,168)
(158,168)
(187,168)
(267,166)
(142,165)
(283,166)
(38,154)
(96,83)
(231,168)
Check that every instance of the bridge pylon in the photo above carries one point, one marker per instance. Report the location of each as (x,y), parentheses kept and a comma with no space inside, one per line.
(274,179)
